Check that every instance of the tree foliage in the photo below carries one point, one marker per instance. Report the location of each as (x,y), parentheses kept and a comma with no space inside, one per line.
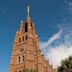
(66,65)
(29,70)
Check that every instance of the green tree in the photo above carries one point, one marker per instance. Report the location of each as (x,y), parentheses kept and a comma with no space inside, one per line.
(66,65)
(29,70)
(25,70)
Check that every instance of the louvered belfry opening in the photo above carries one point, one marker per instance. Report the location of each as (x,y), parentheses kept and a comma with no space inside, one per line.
(26,27)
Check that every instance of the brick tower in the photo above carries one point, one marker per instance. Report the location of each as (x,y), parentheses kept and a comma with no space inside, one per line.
(26,54)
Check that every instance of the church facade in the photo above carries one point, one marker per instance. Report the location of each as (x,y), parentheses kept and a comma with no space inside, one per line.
(26,55)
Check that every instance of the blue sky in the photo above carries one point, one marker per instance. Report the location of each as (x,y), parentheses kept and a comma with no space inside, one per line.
(49,16)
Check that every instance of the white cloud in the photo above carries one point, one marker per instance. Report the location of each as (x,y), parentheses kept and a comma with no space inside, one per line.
(51,40)
(54,37)
(68,6)
(58,52)
(55,55)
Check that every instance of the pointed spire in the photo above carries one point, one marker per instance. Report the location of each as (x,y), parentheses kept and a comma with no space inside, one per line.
(28,9)
(21,27)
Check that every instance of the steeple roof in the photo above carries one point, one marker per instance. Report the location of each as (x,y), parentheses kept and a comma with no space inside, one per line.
(28,9)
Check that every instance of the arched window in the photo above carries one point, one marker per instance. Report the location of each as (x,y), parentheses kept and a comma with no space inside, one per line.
(46,68)
(19,70)
(19,39)
(23,58)
(19,59)
(26,37)
(26,27)
(33,42)
(23,38)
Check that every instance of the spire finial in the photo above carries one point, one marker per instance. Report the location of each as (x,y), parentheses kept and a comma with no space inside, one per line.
(28,9)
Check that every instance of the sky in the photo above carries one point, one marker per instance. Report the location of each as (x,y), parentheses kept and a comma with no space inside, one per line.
(53,24)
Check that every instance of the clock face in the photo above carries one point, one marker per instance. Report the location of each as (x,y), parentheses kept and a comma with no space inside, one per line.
(21,50)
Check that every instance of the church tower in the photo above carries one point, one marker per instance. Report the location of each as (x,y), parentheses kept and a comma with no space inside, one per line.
(26,55)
